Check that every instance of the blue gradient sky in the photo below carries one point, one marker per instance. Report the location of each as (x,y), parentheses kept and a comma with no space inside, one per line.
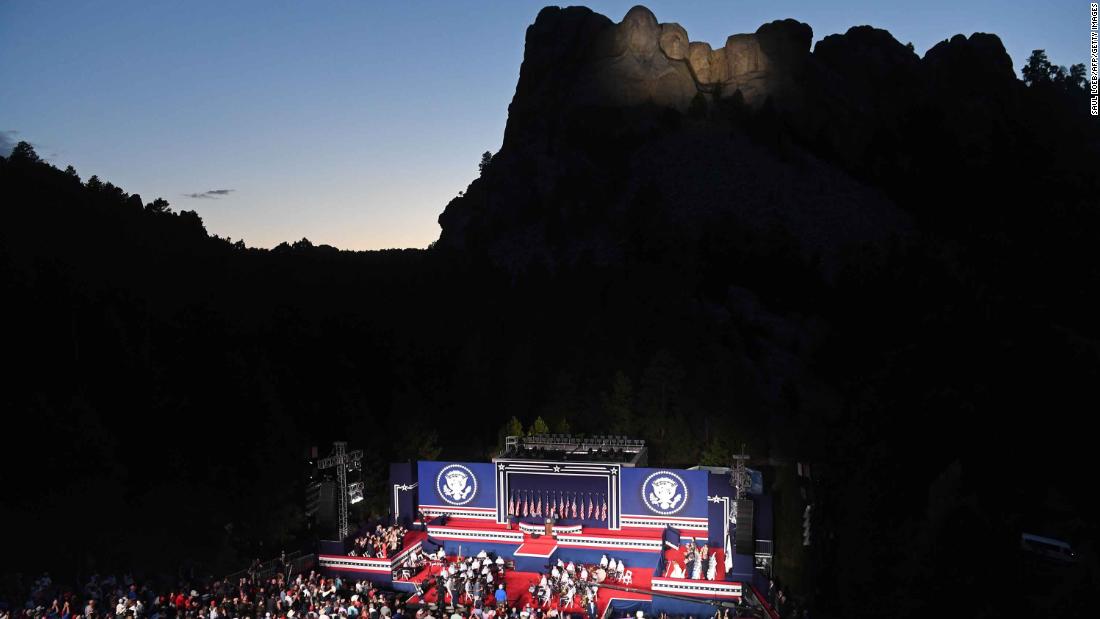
(352,123)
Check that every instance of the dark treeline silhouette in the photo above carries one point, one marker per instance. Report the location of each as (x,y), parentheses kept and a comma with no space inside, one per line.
(165,384)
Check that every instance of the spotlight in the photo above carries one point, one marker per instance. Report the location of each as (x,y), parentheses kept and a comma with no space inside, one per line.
(355,492)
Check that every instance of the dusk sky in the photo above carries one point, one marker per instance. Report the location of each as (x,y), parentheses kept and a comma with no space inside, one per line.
(351,123)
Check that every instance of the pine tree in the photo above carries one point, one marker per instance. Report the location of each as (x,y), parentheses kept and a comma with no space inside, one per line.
(160,205)
(1038,69)
(618,405)
(486,159)
(512,427)
(538,427)
(23,151)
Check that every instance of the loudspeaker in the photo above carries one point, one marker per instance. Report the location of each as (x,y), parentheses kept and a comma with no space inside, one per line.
(326,505)
(744,538)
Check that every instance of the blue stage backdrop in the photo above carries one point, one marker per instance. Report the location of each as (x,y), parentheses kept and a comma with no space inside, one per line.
(664,493)
(721,505)
(403,492)
(464,489)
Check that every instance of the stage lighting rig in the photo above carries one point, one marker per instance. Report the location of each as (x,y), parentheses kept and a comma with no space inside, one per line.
(341,460)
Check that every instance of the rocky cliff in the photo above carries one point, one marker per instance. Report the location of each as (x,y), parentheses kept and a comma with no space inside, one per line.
(582,57)
(623,133)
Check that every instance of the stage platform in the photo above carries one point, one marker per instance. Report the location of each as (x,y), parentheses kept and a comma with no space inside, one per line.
(643,588)
(517,585)
(676,557)
(379,569)
(601,507)
(543,547)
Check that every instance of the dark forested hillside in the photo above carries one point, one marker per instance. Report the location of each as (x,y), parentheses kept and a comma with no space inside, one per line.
(880,263)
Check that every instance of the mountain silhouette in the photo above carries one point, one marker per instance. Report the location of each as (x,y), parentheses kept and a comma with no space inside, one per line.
(850,255)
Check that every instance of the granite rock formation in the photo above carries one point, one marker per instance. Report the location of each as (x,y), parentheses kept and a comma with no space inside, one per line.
(617,126)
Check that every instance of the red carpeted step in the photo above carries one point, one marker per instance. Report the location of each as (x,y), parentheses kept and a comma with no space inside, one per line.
(541,547)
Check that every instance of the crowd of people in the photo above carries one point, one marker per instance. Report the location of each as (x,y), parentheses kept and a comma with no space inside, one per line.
(699,561)
(311,596)
(380,542)
(478,582)
(569,588)
(314,596)
(470,588)
(474,581)
(783,604)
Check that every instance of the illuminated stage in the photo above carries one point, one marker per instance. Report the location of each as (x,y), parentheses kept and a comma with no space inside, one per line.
(594,504)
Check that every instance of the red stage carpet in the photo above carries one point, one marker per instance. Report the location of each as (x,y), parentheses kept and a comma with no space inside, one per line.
(518,583)
(412,537)
(544,546)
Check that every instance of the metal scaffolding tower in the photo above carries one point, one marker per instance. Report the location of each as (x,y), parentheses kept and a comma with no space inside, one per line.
(342,461)
(739,474)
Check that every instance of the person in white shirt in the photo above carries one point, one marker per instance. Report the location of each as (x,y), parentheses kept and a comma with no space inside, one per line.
(712,567)
(603,561)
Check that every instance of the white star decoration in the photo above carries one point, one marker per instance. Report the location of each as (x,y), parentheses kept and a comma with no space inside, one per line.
(501,466)
(557,469)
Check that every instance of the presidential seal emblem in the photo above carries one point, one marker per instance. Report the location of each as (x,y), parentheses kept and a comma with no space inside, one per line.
(456,484)
(664,492)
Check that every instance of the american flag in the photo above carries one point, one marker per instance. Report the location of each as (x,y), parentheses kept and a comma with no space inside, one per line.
(525,512)
(574,506)
(561,504)
(603,510)
(512,505)
(538,507)
(590,507)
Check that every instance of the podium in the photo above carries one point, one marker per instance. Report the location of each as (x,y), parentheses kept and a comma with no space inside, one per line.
(550,527)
